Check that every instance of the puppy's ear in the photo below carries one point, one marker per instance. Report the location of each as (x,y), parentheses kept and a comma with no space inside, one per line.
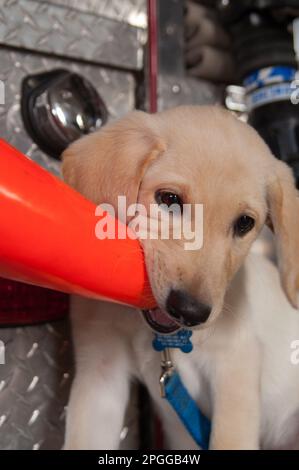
(111,162)
(283,203)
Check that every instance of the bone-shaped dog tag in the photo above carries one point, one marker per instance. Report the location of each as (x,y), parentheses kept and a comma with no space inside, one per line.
(180,340)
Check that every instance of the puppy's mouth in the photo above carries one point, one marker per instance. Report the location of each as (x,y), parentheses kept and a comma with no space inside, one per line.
(159,321)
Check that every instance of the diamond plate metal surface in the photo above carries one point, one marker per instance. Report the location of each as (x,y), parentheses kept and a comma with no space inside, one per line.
(35,382)
(133,12)
(117,88)
(34,386)
(43,27)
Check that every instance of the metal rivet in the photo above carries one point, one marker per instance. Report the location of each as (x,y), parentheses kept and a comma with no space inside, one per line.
(176,89)
(255,19)
(170,29)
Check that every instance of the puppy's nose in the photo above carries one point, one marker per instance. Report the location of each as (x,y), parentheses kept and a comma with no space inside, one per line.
(186,309)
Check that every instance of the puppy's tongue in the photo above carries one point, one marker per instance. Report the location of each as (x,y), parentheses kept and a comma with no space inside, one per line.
(159,321)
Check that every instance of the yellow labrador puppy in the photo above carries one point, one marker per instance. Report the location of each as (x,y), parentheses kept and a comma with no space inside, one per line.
(241,308)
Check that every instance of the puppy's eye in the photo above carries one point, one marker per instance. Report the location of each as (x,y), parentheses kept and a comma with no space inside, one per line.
(168,198)
(243,225)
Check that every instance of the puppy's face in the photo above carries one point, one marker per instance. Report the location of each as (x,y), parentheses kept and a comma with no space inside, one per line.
(219,174)
(194,156)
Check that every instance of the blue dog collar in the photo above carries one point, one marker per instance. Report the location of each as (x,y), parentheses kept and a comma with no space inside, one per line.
(174,391)
(187,410)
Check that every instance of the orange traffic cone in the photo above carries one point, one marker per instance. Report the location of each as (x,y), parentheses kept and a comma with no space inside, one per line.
(47,238)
